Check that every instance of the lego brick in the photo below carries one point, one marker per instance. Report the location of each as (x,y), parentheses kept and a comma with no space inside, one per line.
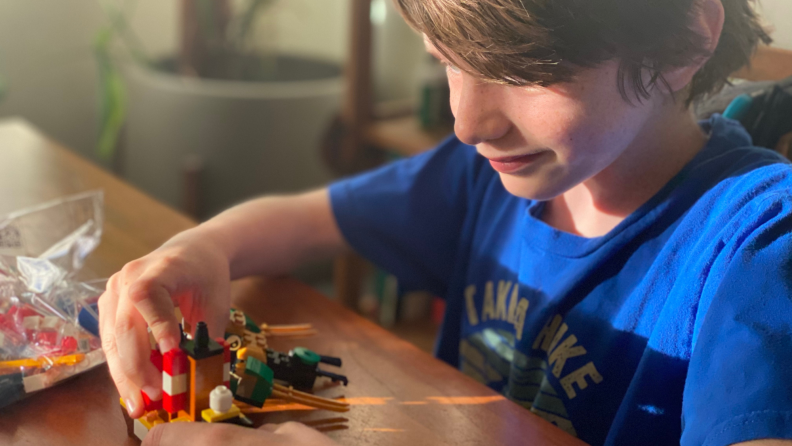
(156,358)
(258,369)
(245,390)
(210,416)
(201,346)
(35,382)
(192,350)
(292,370)
(140,430)
(226,349)
(46,338)
(51,322)
(174,362)
(12,388)
(68,345)
(226,373)
(255,340)
(205,375)
(174,385)
(174,403)
(148,404)
(32,322)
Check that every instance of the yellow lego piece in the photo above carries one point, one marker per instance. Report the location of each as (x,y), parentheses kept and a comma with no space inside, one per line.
(151,419)
(210,416)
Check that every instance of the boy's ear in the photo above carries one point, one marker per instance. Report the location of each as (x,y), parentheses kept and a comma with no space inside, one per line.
(707,21)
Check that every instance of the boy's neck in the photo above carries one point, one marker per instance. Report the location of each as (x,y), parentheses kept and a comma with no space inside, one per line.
(596,206)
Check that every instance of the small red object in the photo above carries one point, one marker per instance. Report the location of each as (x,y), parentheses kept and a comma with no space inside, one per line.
(47,338)
(156,359)
(174,362)
(148,404)
(68,345)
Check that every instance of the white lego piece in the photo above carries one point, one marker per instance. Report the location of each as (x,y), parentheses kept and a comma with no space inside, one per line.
(140,430)
(53,322)
(174,385)
(34,383)
(226,371)
(31,322)
(220,399)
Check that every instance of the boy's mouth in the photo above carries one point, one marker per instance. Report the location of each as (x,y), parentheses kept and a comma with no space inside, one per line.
(511,164)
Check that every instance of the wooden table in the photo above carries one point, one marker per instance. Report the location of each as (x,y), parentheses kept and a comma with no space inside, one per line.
(399,394)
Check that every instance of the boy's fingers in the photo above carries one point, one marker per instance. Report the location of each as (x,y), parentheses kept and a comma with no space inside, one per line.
(155,304)
(134,349)
(177,434)
(107,310)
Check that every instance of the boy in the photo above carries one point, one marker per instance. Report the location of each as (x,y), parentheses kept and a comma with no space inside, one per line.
(607,262)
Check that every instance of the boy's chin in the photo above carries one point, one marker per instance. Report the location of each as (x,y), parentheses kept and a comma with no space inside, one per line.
(531,188)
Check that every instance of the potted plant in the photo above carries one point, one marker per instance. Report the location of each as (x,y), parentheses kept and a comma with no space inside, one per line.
(220,121)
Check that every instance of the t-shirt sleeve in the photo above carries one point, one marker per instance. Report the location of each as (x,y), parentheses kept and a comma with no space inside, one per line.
(407,216)
(739,383)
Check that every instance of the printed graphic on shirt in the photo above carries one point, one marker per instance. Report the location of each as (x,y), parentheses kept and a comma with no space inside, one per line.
(540,379)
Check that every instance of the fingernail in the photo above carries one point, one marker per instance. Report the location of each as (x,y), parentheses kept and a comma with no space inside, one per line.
(130,404)
(167,345)
(153,393)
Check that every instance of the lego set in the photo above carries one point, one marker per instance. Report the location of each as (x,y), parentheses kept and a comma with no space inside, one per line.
(38,349)
(203,377)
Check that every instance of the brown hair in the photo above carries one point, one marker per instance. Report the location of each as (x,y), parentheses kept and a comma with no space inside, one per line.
(542,42)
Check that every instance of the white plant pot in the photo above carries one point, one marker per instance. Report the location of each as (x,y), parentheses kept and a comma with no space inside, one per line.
(253,138)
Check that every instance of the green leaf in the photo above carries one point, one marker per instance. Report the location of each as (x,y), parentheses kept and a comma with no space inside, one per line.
(112,95)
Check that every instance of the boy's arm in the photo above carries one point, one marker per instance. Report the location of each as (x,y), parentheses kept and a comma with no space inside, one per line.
(193,271)
(737,384)
(275,235)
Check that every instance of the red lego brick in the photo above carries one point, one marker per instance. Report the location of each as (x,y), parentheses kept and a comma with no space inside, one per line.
(174,362)
(46,338)
(156,359)
(68,345)
(174,403)
(148,404)
(226,349)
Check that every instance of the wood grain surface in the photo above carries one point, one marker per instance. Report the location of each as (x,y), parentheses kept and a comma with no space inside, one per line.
(399,394)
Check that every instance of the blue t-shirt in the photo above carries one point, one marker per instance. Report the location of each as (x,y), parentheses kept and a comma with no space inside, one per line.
(674,327)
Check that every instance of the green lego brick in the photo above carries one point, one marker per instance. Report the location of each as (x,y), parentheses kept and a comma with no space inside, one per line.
(262,389)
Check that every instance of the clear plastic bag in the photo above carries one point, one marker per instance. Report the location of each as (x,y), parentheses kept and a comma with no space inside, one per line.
(42,250)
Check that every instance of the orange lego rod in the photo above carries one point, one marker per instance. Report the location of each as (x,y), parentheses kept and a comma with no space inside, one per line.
(312,403)
(296,396)
(288,330)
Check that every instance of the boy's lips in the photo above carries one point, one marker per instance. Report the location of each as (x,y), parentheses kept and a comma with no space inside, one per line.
(510,164)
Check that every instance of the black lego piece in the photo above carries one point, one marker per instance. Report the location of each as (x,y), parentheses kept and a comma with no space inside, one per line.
(12,388)
(201,345)
(292,370)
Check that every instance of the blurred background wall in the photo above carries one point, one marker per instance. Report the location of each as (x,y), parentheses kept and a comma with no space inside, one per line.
(46,52)
(47,62)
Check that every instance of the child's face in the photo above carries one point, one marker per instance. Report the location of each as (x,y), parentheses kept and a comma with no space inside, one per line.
(545,141)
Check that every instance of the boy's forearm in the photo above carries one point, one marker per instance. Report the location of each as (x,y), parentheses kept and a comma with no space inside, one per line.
(274,235)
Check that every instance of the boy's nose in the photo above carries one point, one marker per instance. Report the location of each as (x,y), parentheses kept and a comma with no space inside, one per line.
(478,117)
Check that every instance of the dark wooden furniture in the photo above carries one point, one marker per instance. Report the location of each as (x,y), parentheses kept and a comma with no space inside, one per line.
(399,394)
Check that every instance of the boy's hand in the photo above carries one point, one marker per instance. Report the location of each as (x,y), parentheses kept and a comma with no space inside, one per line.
(189,272)
(198,434)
